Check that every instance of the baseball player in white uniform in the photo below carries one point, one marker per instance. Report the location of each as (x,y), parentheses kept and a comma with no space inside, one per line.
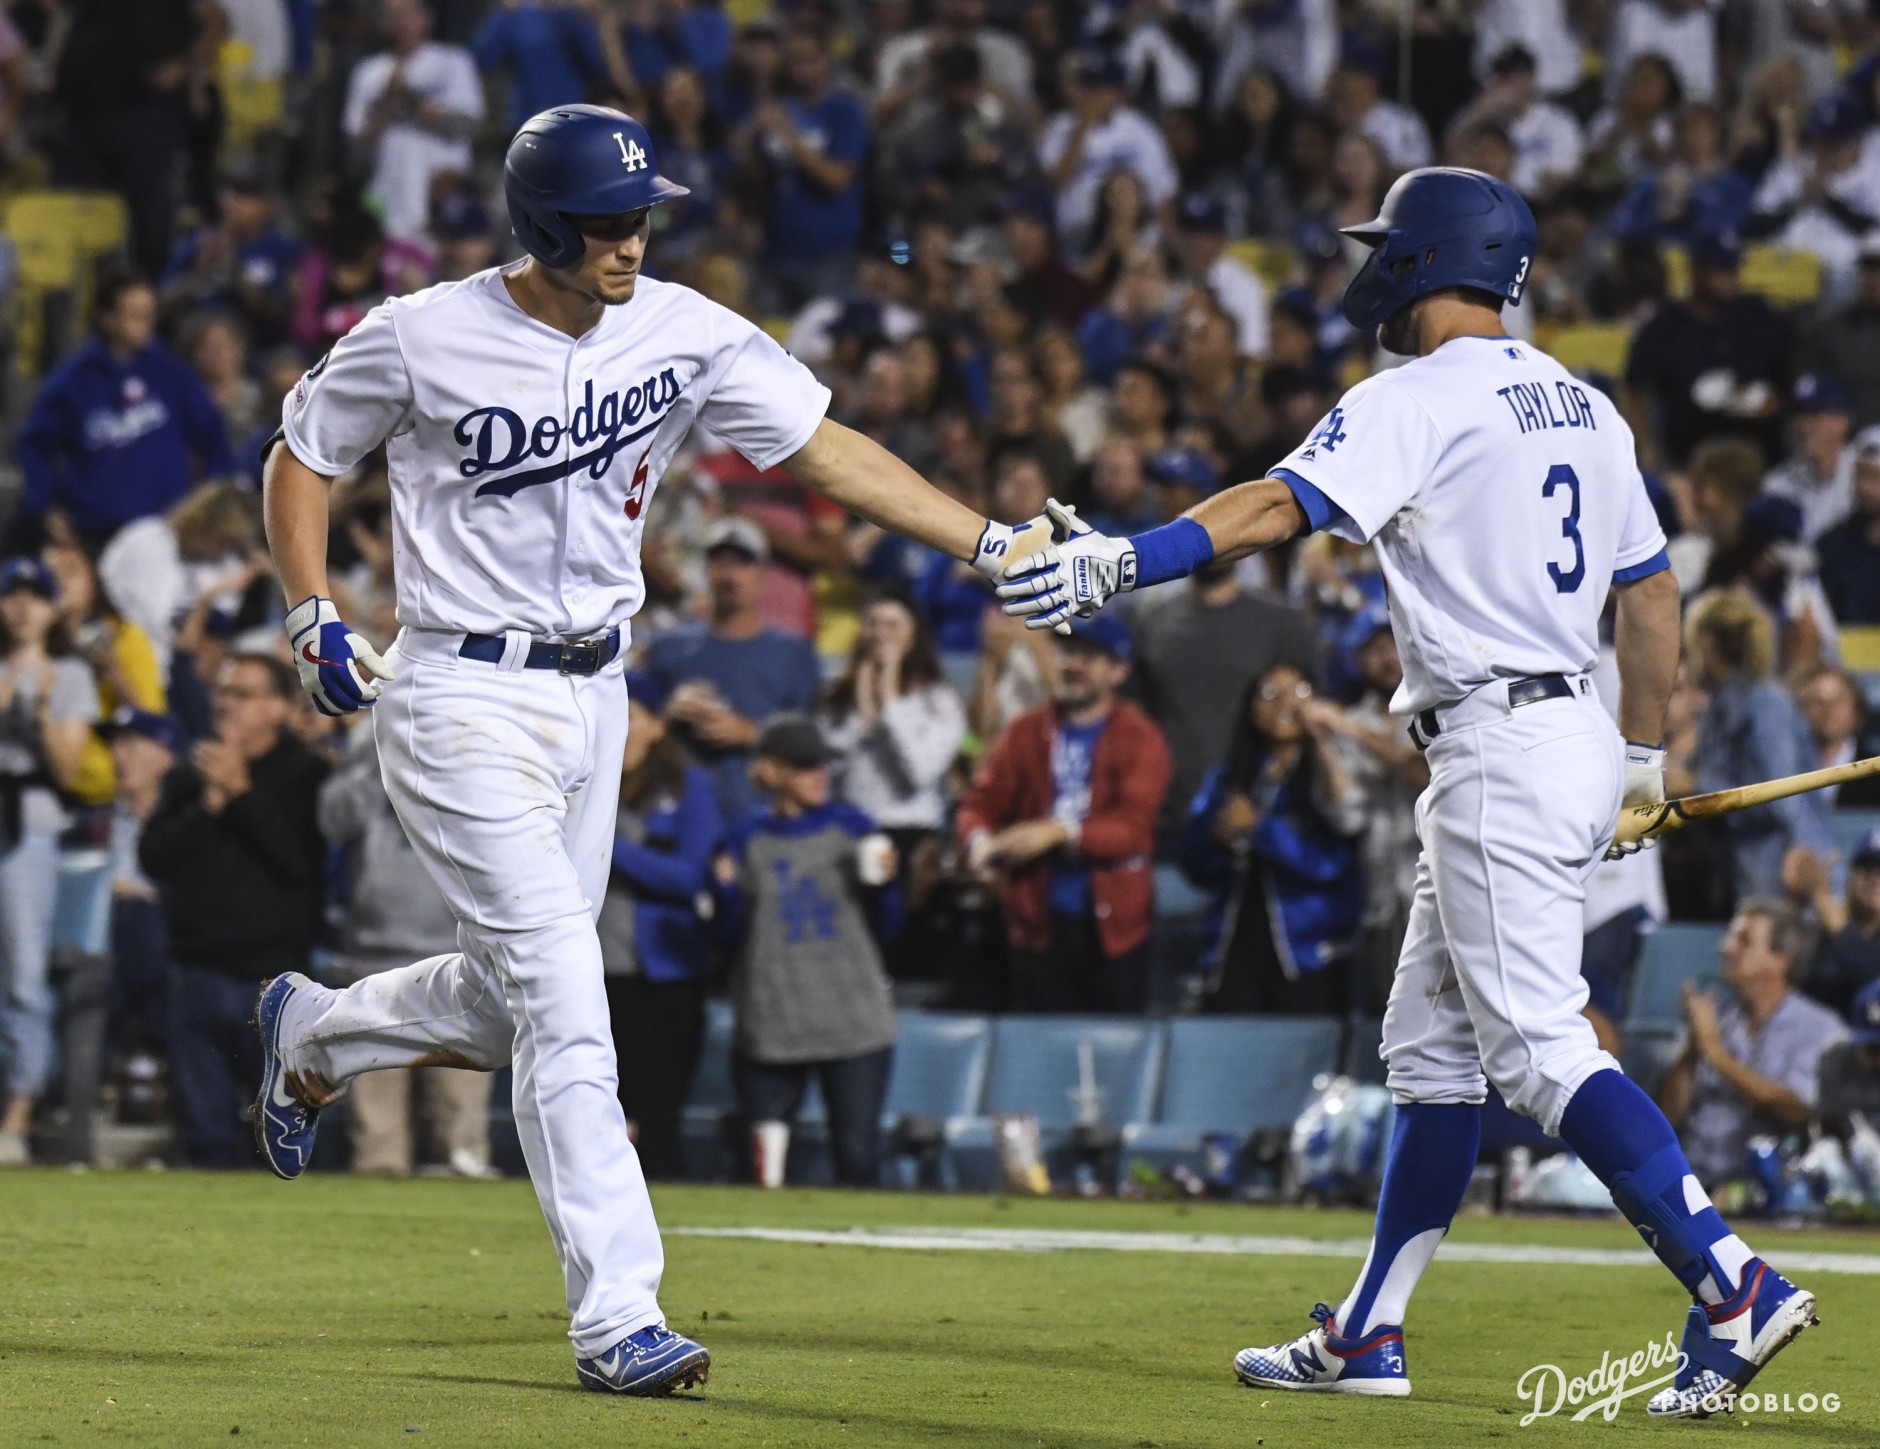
(527,415)
(1505,506)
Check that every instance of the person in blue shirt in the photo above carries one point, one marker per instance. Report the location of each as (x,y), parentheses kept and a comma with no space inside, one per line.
(122,429)
(695,35)
(243,262)
(723,678)
(551,52)
(656,945)
(690,141)
(810,148)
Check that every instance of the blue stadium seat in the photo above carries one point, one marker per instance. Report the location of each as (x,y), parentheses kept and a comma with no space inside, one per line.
(1233,1074)
(1035,1069)
(939,1066)
(1851,827)
(81,919)
(1670,956)
(1648,1054)
(1362,1063)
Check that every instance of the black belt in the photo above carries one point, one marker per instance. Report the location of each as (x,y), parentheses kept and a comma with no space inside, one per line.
(1531,690)
(588,657)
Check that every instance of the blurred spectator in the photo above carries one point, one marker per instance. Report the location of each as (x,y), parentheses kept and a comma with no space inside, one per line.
(1297,39)
(1356,98)
(1016,420)
(1633,134)
(958,150)
(1752,1065)
(347,269)
(128,78)
(874,308)
(235,850)
(1074,407)
(806,149)
(394,914)
(1715,364)
(689,138)
(1063,808)
(1825,197)
(1274,835)
(1080,147)
(904,65)
(1042,284)
(805,886)
(1848,960)
(655,943)
(1682,32)
(1387,774)
(1125,223)
(215,345)
(411,111)
(122,662)
(144,747)
(466,243)
(1850,1071)
(1217,389)
(726,675)
(1539,27)
(1201,245)
(1843,342)
(1849,552)
(893,724)
(1133,320)
(1830,701)
(1548,146)
(1818,477)
(1007,667)
(1751,731)
(1695,192)
(156,569)
(1120,500)
(661,38)
(244,261)
(1197,648)
(48,702)
(121,428)
(549,52)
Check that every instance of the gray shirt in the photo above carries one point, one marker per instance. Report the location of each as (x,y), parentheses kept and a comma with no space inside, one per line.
(1787,1050)
(809,984)
(73,696)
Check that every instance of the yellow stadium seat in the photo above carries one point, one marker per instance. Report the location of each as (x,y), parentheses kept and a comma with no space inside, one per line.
(249,106)
(1585,347)
(1860,646)
(777,327)
(1273,261)
(58,237)
(1786,278)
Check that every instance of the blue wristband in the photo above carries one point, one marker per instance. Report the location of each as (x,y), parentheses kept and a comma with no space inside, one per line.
(1172,551)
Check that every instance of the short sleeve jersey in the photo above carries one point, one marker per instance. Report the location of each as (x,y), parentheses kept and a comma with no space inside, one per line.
(1504,502)
(522,461)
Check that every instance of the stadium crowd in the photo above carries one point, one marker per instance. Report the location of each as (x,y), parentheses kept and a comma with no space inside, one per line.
(1035,249)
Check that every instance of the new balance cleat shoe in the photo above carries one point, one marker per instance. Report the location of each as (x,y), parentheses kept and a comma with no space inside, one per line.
(647,1363)
(1326,1363)
(284,1125)
(1727,1344)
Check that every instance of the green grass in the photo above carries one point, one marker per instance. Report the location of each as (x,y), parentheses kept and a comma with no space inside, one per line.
(178,1309)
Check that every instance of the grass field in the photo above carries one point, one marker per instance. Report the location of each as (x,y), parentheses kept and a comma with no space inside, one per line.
(187,1309)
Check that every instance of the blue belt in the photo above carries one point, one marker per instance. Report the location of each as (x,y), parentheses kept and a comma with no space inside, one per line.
(589,657)
(1531,690)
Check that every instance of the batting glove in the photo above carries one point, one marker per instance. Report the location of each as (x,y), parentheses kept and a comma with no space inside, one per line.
(1074,576)
(338,669)
(1644,785)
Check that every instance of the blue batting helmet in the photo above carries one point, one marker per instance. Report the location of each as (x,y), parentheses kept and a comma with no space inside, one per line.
(1441,227)
(578,161)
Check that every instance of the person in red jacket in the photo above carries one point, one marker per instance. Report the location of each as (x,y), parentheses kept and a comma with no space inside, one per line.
(1063,808)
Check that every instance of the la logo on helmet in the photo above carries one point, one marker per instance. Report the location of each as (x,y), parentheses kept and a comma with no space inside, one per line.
(632,156)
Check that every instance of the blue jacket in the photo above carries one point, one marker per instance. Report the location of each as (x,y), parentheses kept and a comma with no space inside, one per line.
(1313,876)
(110,442)
(667,871)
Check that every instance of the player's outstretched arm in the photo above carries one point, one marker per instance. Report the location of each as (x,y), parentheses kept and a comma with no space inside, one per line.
(855,471)
(340,671)
(1085,569)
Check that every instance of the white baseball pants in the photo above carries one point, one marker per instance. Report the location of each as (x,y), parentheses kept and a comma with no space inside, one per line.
(506,782)
(1520,808)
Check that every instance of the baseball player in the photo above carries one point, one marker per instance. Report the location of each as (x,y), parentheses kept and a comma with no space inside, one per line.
(1505,505)
(527,414)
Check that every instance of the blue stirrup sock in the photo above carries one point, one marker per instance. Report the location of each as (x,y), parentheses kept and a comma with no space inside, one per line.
(1432,1154)
(1621,1135)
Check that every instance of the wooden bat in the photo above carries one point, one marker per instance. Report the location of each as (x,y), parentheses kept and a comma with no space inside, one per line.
(1641,822)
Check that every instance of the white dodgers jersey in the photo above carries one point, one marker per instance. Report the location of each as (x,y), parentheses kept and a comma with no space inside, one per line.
(522,460)
(1504,501)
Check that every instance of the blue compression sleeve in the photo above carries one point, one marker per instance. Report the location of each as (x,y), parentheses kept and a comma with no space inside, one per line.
(1172,551)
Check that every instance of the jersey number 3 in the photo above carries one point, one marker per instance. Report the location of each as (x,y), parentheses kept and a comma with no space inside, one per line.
(1566,580)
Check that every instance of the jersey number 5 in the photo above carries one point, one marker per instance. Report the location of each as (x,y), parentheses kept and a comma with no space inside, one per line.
(1566,580)
(636,490)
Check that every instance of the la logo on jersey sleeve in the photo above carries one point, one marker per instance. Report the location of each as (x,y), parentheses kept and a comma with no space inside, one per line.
(1330,434)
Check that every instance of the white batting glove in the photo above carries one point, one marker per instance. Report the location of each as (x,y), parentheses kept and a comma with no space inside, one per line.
(1073,577)
(340,671)
(1644,785)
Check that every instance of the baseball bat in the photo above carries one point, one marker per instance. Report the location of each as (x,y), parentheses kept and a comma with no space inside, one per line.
(1641,821)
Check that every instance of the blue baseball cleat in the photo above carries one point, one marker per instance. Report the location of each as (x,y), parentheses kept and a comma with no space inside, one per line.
(646,1363)
(1324,1362)
(1727,1344)
(284,1125)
